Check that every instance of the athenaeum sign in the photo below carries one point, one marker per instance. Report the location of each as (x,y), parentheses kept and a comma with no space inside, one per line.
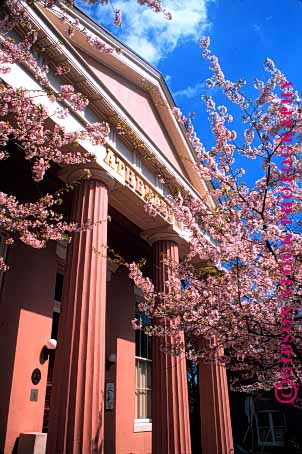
(129,177)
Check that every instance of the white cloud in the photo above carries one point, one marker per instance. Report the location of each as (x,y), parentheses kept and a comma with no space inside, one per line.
(189,92)
(150,34)
(258,30)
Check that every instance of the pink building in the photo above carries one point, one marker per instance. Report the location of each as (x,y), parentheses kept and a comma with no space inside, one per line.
(105,389)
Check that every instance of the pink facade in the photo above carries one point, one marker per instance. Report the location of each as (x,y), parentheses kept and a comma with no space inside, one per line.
(119,425)
(138,104)
(102,397)
(25,319)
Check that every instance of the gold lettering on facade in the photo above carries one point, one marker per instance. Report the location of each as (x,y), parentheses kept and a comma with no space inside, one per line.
(110,159)
(157,201)
(140,187)
(130,177)
(120,167)
(148,194)
(137,184)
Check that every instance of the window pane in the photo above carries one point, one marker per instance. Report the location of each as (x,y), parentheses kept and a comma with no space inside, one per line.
(271,428)
(278,419)
(279,434)
(265,435)
(263,419)
(149,371)
(143,389)
(59,287)
(138,334)
(143,352)
(143,343)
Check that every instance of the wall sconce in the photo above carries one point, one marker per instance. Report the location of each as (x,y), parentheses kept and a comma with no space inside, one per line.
(51,344)
(110,360)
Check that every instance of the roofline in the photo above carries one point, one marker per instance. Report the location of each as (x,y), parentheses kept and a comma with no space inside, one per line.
(110,36)
(120,44)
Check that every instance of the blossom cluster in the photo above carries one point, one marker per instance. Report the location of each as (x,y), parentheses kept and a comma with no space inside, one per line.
(28,129)
(34,223)
(233,295)
(41,143)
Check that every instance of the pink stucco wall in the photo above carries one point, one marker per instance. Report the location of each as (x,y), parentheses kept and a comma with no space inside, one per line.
(139,105)
(120,437)
(25,320)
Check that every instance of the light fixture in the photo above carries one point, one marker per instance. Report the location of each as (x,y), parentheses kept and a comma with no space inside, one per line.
(110,360)
(50,345)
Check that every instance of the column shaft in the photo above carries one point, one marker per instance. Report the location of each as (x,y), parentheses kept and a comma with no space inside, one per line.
(216,426)
(77,412)
(170,407)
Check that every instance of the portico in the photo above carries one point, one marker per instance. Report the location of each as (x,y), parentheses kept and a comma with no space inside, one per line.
(102,396)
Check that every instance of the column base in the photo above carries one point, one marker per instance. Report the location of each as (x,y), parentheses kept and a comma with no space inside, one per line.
(32,443)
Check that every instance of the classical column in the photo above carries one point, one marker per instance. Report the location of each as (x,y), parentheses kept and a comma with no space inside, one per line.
(77,402)
(170,407)
(216,426)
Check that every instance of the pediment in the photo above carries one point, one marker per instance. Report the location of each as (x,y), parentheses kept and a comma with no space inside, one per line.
(137,102)
(133,91)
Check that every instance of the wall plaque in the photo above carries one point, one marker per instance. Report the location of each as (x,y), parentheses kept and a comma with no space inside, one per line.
(34,395)
(36,376)
(109,401)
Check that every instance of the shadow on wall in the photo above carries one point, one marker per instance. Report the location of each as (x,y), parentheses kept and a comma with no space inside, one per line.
(97,443)
(15,448)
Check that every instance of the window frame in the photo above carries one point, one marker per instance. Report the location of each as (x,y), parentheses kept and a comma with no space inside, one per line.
(272,428)
(146,389)
(141,424)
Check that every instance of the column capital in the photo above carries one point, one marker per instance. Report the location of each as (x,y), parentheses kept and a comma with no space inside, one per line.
(161,233)
(72,173)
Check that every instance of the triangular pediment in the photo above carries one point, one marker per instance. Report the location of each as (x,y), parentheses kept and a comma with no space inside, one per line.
(137,102)
(135,93)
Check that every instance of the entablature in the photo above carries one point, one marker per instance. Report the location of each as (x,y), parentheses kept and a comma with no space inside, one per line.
(132,160)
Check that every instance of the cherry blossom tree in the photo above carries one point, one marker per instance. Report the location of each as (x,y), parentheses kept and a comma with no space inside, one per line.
(245,304)
(27,126)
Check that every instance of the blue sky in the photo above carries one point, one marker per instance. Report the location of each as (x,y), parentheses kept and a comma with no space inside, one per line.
(243,33)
